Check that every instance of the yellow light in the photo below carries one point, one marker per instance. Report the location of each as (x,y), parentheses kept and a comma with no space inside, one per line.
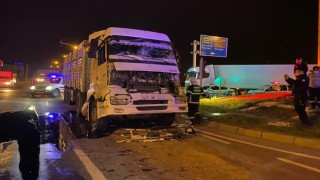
(75,47)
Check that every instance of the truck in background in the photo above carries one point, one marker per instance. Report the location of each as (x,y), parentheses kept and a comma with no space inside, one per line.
(7,79)
(243,78)
(123,74)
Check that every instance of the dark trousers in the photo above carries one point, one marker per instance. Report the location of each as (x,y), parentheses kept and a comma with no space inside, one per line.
(193,109)
(314,97)
(300,108)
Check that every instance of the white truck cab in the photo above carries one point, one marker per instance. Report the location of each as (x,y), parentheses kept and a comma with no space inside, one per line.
(53,86)
(124,74)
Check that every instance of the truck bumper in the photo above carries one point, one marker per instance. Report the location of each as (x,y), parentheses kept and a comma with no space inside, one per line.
(141,110)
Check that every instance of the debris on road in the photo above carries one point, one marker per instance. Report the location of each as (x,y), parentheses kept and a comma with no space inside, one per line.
(159,133)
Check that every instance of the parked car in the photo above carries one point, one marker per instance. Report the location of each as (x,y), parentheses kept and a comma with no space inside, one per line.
(274,87)
(214,91)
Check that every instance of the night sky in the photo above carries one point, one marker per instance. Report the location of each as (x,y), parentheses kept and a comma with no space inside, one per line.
(259,31)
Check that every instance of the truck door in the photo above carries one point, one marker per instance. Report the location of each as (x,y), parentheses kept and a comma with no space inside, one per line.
(102,66)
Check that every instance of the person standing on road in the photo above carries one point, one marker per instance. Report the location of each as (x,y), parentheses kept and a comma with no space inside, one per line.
(300,92)
(194,92)
(314,88)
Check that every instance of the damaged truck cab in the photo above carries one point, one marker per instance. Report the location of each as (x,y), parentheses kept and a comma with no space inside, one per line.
(130,74)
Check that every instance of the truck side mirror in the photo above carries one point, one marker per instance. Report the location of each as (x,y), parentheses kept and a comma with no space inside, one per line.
(93,48)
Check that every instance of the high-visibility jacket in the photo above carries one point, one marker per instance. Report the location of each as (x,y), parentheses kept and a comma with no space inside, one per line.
(193,93)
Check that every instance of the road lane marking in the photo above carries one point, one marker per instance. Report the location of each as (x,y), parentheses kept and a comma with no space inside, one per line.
(260,146)
(299,164)
(216,139)
(92,169)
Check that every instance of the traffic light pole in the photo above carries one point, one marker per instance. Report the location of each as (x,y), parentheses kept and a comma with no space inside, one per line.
(202,62)
(201,67)
(195,52)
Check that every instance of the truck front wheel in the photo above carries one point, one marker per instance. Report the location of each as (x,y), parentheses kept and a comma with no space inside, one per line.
(93,123)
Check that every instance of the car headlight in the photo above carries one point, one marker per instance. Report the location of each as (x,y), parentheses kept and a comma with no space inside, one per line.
(32,87)
(48,88)
(116,101)
(181,100)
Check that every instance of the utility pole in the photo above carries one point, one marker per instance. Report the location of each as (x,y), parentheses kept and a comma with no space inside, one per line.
(202,67)
(73,46)
(195,51)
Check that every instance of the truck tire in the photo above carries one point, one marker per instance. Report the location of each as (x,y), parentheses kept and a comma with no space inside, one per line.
(55,93)
(65,95)
(166,119)
(79,101)
(68,97)
(93,123)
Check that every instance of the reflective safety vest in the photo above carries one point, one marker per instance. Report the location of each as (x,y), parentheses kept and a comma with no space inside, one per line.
(193,93)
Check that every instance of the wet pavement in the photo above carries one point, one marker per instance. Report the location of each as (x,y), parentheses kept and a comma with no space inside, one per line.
(53,163)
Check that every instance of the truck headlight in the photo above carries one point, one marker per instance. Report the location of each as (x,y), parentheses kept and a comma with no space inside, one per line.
(32,87)
(181,100)
(48,88)
(116,101)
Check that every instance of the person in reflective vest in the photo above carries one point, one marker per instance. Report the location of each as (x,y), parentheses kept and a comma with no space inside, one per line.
(194,92)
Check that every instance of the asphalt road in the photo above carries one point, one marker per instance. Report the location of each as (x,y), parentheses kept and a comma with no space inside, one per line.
(208,154)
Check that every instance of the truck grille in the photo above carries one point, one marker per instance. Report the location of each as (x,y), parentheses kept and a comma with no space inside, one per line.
(139,102)
(148,108)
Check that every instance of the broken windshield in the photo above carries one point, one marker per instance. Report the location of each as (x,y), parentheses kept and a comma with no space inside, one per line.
(140,49)
(144,81)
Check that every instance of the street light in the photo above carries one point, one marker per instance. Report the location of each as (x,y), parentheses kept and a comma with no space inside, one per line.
(73,46)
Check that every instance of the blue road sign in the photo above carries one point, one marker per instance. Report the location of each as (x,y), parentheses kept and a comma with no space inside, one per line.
(213,46)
